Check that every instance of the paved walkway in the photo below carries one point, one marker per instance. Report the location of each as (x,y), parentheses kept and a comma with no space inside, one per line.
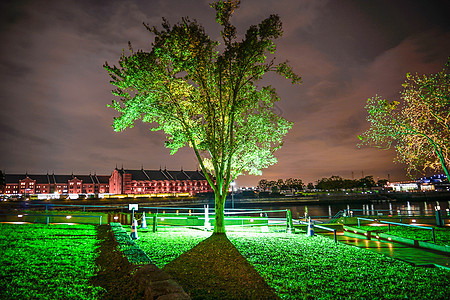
(412,255)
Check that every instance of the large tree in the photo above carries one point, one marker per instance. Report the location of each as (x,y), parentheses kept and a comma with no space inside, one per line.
(204,94)
(418,125)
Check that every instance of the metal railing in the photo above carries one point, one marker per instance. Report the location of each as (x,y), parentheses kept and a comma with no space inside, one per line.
(84,206)
(22,217)
(161,217)
(321,227)
(400,224)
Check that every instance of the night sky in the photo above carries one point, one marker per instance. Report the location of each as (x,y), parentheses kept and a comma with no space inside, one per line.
(54,90)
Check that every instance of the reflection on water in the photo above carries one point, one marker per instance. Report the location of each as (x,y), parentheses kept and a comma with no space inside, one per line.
(367,209)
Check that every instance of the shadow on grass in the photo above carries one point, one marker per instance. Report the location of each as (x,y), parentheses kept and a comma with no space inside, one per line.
(214,269)
(114,271)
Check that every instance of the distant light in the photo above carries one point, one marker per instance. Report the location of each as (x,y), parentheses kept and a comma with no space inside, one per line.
(389,238)
(251,220)
(162,219)
(68,217)
(377,236)
(413,220)
(20,216)
(116,217)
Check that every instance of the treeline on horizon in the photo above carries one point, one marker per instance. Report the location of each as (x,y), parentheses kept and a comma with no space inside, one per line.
(331,183)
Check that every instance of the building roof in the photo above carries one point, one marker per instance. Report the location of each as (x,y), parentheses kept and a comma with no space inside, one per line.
(56,178)
(157,175)
(15,178)
(104,179)
(84,178)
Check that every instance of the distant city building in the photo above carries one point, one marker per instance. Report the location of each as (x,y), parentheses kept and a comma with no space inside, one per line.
(157,181)
(408,186)
(432,183)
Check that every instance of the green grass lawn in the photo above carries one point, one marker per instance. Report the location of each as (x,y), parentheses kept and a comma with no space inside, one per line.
(442,233)
(47,261)
(164,246)
(300,267)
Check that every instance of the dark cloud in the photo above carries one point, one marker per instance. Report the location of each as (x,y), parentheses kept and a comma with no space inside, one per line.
(53,114)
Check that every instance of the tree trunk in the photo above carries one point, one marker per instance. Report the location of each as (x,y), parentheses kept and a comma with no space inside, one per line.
(219,225)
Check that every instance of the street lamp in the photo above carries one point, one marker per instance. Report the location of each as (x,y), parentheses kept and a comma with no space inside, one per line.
(232,193)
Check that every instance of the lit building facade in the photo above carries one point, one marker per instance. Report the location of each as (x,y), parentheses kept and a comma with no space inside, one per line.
(119,182)
(51,183)
(157,182)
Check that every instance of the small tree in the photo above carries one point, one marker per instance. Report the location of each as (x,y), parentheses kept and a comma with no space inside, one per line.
(294,184)
(263,185)
(418,126)
(366,183)
(205,98)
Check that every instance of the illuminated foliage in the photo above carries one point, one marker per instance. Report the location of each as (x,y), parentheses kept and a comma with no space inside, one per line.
(206,98)
(418,126)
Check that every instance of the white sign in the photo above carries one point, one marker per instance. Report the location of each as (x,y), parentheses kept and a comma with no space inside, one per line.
(133,206)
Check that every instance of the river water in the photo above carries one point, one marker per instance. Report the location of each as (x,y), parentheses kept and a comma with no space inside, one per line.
(422,208)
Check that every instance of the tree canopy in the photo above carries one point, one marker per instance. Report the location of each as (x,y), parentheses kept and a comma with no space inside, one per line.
(205,98)
(418,125)
(295,184)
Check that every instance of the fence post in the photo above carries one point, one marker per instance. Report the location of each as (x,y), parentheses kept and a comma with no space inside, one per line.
(389,227)
(100,221)
(155,228)
(289,224)
(335,236)
(359,222)
(207,225)
(48,219)
(434,235)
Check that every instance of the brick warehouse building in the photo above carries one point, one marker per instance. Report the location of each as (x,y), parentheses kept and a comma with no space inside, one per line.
(119,182)
(51,183)
(157,181)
